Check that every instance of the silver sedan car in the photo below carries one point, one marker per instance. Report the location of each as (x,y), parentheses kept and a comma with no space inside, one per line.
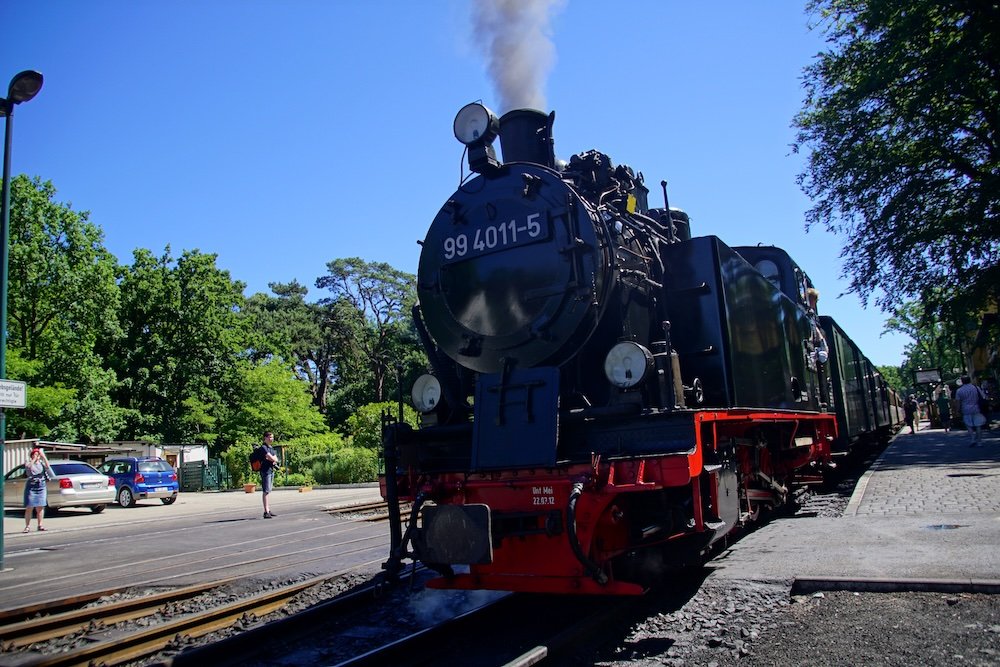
(76,484)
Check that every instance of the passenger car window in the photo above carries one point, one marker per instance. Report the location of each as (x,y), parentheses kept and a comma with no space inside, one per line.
(15,473)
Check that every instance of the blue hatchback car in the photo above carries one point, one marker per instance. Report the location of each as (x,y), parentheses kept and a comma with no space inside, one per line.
(141,477)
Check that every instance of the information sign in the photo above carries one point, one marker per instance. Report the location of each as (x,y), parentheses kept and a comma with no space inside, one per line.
(13,394)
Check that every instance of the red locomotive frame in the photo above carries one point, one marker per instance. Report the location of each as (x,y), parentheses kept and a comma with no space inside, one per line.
(539,562)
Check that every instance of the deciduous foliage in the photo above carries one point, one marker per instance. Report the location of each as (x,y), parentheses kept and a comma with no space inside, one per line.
(902,125)
(182,337)
(288,327)
(365,425)
(370,305)
(937,342)
(268,396)
(893,378)
(62,304)
(45,407)
(167,349)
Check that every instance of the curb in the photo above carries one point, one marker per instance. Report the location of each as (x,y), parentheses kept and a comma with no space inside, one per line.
(859,491)
(807,585)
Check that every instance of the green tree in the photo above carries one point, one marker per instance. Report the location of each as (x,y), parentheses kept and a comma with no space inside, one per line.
(901,121)
(370,306)
(183,337)
(62,305)
(270,397)
(892,377)
(287,327)
(936,342)
(46,404)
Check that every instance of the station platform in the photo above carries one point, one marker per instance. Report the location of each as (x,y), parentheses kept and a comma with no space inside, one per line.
(926,516)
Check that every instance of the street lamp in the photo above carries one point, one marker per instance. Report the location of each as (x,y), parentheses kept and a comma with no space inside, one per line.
(24,86)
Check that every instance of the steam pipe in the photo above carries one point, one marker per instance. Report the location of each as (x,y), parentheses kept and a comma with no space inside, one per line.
(670,218)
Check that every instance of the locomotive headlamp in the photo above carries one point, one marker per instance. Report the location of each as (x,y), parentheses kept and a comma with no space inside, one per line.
(476,124)
(627,364)
(426,393)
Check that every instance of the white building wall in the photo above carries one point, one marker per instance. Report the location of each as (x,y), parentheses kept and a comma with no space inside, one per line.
(15,452)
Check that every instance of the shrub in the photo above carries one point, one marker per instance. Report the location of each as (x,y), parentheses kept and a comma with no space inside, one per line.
(300,453)
(292,479)
(322,469)
(237,462)
(353,465)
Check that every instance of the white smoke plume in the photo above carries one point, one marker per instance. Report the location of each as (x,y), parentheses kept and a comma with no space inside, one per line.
(515,35)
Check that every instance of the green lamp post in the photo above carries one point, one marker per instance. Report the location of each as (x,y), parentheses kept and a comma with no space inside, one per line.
(24,86)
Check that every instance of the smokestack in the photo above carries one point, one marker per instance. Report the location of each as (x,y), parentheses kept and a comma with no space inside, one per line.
(514,35)
(526,136)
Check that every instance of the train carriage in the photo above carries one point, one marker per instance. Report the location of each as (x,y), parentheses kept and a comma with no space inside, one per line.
(864,403)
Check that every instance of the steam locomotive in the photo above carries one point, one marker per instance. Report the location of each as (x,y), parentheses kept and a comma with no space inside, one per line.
(610,396)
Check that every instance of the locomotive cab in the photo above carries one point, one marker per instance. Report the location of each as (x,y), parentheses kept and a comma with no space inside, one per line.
(780,270)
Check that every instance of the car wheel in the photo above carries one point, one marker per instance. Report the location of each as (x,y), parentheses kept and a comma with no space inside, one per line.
(97,509)
(125,497)
(168,501)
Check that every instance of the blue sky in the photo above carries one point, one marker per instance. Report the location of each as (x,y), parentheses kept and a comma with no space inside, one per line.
(283,135)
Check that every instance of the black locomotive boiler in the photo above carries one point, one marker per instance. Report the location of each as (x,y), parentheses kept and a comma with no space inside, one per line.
(610,395)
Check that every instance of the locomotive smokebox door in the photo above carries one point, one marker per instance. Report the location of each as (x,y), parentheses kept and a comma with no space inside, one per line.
(454,535)
(513,271)
(517,415)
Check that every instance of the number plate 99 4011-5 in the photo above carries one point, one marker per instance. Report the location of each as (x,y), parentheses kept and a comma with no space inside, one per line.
(493,238)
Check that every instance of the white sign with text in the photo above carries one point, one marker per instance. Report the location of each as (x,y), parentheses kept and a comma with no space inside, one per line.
(13,394)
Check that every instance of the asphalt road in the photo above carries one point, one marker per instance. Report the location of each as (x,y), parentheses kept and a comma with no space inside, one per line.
(200,538)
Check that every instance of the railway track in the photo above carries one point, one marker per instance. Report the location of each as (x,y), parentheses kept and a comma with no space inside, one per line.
(515,630)
(378,511)
(127,624)
(510,629)
(303,629)
(114,633)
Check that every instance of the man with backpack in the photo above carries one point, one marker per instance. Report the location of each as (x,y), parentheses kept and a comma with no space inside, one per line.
(268,458)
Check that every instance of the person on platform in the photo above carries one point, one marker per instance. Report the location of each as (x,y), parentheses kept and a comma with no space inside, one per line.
(969,397)
(944,408)
(910,408)
(37,470)
(269,462)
